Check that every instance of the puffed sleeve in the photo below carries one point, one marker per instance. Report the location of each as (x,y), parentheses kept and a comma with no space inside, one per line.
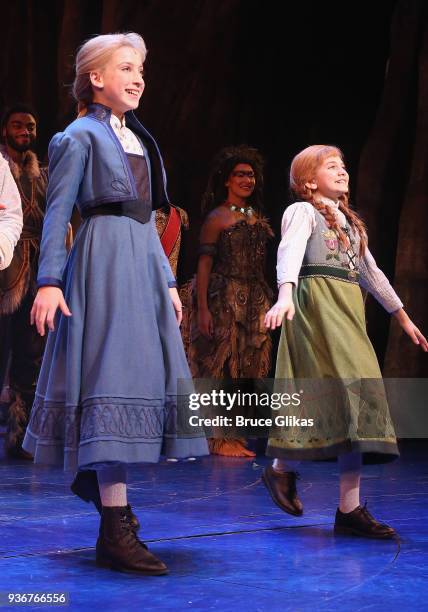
(10,217)
(373,280)
(67,160)
(170,278)
(297,225)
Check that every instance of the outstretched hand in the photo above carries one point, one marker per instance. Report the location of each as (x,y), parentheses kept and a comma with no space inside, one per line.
(411,330)
(48,300)
(284,307)
(416,335)
(276,314)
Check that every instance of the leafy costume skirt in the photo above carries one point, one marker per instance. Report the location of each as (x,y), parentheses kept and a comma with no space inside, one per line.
(238,298)
(327,344)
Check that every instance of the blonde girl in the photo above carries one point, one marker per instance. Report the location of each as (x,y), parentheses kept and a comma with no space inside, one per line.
(106,395)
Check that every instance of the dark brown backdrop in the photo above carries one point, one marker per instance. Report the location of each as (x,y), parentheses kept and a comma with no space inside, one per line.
(277,76)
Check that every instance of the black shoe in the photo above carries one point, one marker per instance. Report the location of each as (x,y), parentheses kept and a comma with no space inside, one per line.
(360,522)
(85,486)
(282,488)
(119,548)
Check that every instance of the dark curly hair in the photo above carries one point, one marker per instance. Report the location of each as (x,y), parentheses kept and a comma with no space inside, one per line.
(222,166)
(17,108)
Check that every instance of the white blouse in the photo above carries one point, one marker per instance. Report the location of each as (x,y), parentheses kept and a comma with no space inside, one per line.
(298,223)
(127,138)
(11,216)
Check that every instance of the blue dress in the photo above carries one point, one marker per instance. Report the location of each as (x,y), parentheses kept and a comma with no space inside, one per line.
(107,390)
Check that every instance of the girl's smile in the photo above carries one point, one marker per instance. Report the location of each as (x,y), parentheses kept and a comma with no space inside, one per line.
(120,84)
(331,179)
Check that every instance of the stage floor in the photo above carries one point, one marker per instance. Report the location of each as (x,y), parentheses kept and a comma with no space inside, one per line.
(226,544)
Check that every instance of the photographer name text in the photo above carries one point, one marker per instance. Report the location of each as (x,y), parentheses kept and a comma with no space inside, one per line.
(241,421)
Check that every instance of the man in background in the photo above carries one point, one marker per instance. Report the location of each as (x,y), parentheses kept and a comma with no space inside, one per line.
(20,344)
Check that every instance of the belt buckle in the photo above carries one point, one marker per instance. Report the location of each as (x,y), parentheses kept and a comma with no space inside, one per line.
(352,274)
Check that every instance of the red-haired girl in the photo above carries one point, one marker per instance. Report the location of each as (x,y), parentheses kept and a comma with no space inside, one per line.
(323,259)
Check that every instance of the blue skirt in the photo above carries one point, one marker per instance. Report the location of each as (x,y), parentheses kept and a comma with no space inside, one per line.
(107,390)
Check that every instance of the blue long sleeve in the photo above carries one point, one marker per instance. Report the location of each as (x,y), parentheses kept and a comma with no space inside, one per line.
(67,160)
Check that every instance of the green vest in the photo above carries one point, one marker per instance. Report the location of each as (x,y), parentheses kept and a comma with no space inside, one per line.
(325,255)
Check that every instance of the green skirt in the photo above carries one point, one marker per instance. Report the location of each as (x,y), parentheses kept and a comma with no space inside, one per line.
(326,357)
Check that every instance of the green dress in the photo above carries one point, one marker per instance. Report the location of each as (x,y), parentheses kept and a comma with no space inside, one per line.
(326,357)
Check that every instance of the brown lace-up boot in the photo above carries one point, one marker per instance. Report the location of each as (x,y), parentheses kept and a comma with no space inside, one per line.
(119,548)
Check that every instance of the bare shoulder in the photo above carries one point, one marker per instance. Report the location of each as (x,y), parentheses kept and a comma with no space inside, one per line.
(215,222)
(220,214)
(219,217)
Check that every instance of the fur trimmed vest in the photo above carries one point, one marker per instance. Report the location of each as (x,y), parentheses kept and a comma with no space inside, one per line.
(20,277)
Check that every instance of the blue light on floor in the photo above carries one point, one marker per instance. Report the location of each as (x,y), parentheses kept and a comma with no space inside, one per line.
(227,546)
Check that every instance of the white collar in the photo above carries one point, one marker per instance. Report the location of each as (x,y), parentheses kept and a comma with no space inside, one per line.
(117,123)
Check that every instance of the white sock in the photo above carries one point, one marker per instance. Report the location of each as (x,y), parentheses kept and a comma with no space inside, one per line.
(285,465)
(112,484)
(350,474)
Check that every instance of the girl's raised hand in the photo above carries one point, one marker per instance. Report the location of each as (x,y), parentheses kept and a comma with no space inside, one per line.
(43,312)
(411,330)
